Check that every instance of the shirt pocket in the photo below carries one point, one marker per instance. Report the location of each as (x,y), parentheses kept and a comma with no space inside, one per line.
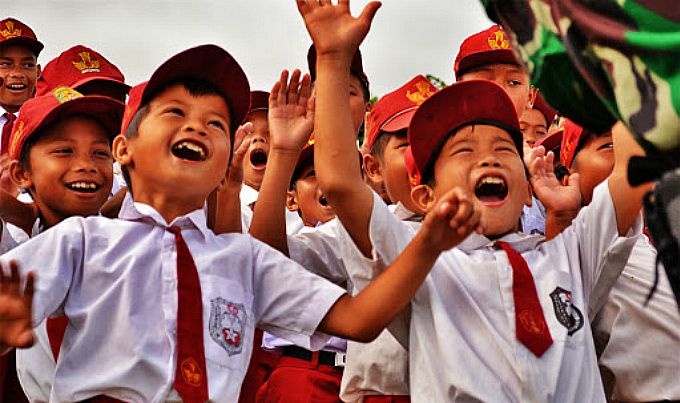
(228,322)
(566,311)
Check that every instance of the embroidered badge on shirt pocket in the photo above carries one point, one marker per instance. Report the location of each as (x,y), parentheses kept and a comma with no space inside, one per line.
(567,313)
(228,325)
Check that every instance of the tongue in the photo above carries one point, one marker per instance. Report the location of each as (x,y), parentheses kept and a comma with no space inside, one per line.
(488,198)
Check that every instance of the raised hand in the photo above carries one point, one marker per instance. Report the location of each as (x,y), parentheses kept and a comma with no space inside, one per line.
(241,143)
(291,112)
(333,29)
(15,309)
(554,196)
(451,220)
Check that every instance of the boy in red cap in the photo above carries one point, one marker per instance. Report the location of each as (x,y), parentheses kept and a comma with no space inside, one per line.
(85,70)
(633,368)
(61,155)
(494,339)
(488,55)
(536,121)
(182,327)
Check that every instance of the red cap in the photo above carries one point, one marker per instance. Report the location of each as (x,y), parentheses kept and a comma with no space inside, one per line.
(393,112)
(461,104)
(259,100)
(356,67)
(15,32)
(488,46)
(306,158)
(547,111)
(552,141)
(77,66)
(571,136)
(411,168)
(207,62)
(39,112)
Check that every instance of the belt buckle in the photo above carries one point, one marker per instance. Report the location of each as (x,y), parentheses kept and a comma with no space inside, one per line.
(340,359)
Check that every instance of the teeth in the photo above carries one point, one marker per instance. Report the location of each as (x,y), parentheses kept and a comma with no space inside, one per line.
(16,86)
(83,186)
(492,180)
(192,147)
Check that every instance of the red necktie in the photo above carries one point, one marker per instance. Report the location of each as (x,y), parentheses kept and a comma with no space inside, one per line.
(530,325)
(191,378)
(6,133)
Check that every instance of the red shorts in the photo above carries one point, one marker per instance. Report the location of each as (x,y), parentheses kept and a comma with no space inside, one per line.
(301,381)
(262,363)
(387,399)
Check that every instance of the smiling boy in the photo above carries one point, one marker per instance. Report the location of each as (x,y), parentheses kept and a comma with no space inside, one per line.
(183,302)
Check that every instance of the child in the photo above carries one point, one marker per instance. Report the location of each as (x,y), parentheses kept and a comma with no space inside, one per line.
(463,321)
(61,155)
(488,55)
(536,121)
(255,162)
(633,336)
(181,120)
(84,70)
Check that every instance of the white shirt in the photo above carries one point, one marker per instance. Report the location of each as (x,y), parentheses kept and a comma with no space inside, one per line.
(533,217)
(462,331)
(248,197)
(3,119)
(116,282)
(638,345)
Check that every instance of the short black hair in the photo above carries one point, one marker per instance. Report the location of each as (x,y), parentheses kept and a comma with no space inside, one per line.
(378,146)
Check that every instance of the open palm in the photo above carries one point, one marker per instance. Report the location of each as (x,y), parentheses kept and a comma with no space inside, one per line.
(291,112)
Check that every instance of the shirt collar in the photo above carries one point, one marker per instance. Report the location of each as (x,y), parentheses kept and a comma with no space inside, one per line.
(131,210)
(248,195)
(519,241)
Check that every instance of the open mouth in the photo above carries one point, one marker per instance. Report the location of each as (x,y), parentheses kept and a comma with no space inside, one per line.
(491,189)
(83,186)
(17,87)
(189,150)
(258,158)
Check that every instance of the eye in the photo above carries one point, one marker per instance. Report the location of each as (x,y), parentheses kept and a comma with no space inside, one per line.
(461,151)
(506,149)
(174,111)
(606,146)
(5,65)
(514,83)
(102,153)
(217,124)
(29,65)
(63,151)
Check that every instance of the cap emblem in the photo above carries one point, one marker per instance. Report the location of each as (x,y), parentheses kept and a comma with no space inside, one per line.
(10,31)
(65,94)
(86,64)
(18,134)
(421,93)
(498,41)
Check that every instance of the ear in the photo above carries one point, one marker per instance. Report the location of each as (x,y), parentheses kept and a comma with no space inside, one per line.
(423,197)
(291,201)
(121,150)
(530,192)
(373,168)
(39,71)
(369,106)
(20,176)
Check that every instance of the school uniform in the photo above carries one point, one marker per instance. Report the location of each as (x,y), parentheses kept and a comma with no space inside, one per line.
(533,217)
(638,345)
(462,320)
(116,281)
(248,197)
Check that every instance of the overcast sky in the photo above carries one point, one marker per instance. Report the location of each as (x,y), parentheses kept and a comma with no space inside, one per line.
(408,37)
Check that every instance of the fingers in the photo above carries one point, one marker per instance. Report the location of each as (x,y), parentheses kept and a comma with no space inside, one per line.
(369,12)
(302,7)
(242,133)
(293,88)
(305,90)
(283,88)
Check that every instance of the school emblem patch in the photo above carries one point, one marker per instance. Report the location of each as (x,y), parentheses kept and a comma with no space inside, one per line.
(86,64)
(227,325)
(567,314)
(9,31)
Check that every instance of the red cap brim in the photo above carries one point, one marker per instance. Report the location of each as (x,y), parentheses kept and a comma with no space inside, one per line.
(35,45)
(487,57)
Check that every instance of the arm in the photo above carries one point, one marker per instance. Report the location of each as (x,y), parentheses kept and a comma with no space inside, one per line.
(15,309)
(336,36)
(364,316)
(291,120)
(627,199)
(224,204)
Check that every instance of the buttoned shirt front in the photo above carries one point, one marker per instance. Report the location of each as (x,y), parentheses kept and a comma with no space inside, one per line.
(116,282)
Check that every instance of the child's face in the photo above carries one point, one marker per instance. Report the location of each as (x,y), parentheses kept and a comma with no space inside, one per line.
(357,103)
(514,79)
(484,161)
(19,71)
(533,125)
(255,162)
(594,163)
(71,169)
(394,171)
(182,147)
(309,200)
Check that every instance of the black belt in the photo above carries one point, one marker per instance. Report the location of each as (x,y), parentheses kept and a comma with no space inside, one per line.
(336,360)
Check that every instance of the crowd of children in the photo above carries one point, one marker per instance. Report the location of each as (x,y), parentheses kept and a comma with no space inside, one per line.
(188,239)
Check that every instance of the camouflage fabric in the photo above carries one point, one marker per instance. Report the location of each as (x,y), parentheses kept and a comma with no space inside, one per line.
(598,61)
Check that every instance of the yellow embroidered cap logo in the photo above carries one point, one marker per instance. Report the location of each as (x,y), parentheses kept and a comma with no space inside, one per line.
(18,134)
(10,31)
(65,94)
(87,64)
(421,93)
(498,41)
